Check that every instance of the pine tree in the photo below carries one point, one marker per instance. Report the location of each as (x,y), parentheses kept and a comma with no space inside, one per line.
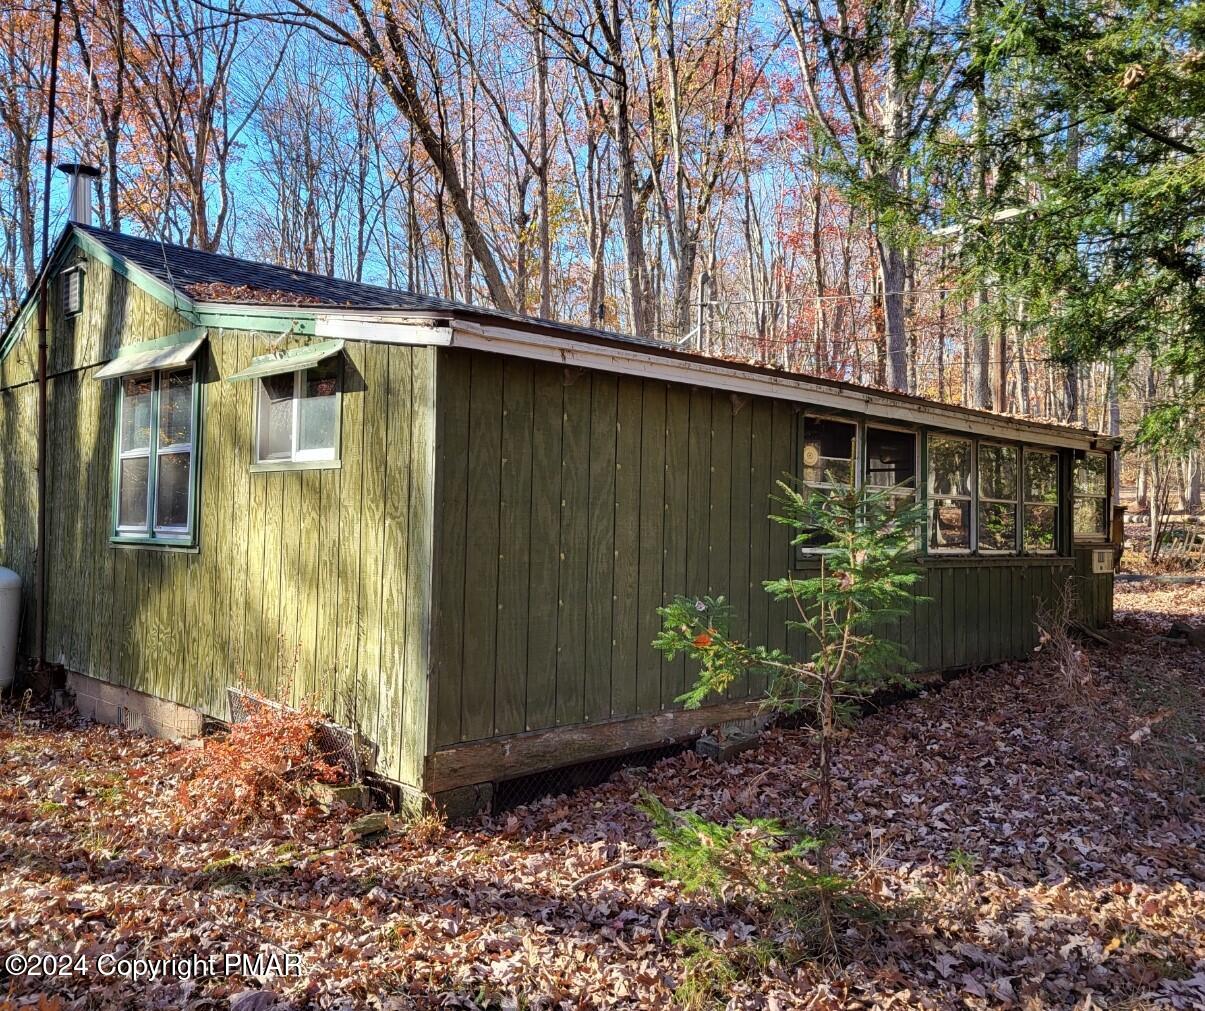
(865,538)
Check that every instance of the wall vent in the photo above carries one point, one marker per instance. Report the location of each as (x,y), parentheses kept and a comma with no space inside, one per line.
(71,282)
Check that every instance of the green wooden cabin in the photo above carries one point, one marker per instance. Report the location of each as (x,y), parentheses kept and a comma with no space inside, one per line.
(453,526)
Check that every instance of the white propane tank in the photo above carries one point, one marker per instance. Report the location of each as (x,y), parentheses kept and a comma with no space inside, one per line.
(10,624)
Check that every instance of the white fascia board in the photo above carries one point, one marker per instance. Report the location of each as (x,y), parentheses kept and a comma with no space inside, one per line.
(633,362)
(379,329)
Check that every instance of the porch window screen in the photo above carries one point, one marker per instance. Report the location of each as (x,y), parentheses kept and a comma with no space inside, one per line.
(1041,502)
(891,462)
(998,485)
(1090,485)
(950,493)
(829,456)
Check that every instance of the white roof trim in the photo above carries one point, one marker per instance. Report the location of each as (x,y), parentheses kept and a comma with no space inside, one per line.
(633,362)
(378,328)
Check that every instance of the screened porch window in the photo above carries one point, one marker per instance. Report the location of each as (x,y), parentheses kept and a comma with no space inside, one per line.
(156,465)
(830,447)
(950,493)
(829,460)
(998,477)
(1041,502)
(1090,484)
(891,462)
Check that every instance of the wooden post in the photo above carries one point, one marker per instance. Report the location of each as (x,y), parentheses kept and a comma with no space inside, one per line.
(1117,534)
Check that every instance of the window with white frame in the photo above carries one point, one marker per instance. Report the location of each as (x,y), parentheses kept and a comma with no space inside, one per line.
(1090,486)
(828,459)
(950,493)
(998,483)
(297,416)
(1041,512)
(156,466)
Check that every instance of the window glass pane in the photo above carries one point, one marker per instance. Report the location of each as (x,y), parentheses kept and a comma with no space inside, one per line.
(1041,477)
(829,447)
(997,526)
(131,492)
(1090,517)
(136,412)
(171,491)
(890,458)
(997,472)
(1040,523)
(175,408)
(950,524)
(949,466)
(319,408)
(276,417)
(1090,475)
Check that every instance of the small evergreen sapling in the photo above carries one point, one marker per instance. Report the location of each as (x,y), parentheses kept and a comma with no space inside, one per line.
(867,538)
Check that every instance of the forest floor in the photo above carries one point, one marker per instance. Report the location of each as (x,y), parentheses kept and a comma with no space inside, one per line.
(1041,852)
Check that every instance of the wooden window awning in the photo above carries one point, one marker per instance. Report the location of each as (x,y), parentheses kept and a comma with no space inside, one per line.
(180,349)
(293,360)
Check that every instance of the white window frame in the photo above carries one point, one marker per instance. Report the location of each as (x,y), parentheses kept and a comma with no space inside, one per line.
(1057,504)
(1103,536)
(972,497)
(324,457)
(152,530)
(1015,501)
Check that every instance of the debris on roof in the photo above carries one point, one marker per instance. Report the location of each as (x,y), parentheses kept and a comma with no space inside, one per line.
(220,291)
(218,277)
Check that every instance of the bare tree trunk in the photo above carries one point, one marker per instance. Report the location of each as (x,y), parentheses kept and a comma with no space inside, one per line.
(1022,363)
(545,159)
(1071,393)
(895,340)
(1190,482)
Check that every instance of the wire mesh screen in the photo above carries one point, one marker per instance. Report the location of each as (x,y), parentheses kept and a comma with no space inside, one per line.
(568,779)
(336,744)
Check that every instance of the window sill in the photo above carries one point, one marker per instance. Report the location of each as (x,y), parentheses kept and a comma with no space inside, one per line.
(268,468)
(1001,561)
(183,546)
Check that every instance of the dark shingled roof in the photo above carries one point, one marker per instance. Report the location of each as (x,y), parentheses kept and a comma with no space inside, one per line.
(182,268)
(215,277)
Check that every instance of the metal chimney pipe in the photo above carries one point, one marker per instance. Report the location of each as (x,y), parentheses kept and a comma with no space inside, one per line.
(80,178)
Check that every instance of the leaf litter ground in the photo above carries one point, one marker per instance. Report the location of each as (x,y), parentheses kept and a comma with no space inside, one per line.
(1042,852)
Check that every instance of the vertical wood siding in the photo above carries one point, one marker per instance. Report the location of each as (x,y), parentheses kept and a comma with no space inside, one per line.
(1093,593)
(571,504)
(305,582)
(509,526)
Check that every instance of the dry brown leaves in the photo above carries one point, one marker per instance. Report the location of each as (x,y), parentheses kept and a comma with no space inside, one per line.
(1039,857)
(217,291)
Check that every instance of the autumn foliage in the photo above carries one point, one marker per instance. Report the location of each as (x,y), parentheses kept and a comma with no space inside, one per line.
(264,767)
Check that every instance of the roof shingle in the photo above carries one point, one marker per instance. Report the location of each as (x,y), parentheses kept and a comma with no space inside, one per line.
(209,274)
